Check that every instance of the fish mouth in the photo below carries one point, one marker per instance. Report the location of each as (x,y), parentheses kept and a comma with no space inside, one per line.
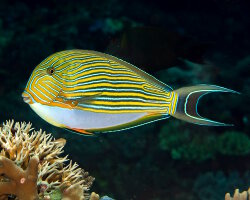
(26,98)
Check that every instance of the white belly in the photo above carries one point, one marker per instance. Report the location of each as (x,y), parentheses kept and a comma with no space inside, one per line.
(80,119)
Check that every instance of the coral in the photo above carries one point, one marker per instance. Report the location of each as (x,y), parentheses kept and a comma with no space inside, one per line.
(31,168)
(206,184)
(239,196)
(233,143)
(184,143)
(19,180)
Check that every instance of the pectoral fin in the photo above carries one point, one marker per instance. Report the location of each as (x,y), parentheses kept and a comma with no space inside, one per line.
(88,99)
(72,103)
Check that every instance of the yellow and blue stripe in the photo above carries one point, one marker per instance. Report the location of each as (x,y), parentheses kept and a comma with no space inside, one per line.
(80,74)
(99,83)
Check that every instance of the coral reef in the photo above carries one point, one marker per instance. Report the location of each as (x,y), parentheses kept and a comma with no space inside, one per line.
(239,196)
(207,183)
(187,144)
(31,167)
(155,157)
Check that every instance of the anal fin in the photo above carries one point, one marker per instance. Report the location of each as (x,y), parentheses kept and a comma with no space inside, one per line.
(80,131)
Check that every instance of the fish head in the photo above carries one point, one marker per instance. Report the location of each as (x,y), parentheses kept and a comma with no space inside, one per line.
(44,84)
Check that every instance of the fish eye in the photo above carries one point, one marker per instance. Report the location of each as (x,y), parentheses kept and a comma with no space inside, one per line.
(51,70)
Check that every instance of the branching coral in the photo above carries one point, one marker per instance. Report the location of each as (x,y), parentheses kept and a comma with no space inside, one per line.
(30,167)
(239,196)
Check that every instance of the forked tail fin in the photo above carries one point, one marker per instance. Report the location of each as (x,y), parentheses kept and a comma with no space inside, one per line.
(188,98)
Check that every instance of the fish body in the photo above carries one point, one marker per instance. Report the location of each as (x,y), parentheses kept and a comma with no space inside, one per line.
(88,91)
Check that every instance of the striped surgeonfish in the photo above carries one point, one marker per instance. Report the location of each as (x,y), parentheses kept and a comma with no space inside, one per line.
(88,92)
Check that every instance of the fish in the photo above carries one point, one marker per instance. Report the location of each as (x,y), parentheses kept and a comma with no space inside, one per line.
(90,92)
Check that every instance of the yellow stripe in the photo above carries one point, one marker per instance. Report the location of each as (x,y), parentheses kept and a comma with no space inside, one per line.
(146,89)
(63,105)
(76,61)
(99,70)
(163,111)
(108,85)
(130,103)
(72,82)
(57,57)
(118,94)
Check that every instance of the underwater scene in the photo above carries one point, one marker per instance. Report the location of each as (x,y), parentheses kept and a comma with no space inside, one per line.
(125,100)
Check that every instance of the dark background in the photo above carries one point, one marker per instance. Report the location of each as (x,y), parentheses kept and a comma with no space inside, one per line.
(179,42)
